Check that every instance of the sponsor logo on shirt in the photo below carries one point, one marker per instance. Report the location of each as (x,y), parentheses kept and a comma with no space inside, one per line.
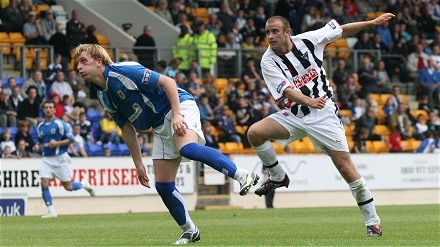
(301,80)
(280,86)
(147,75)
(332,25)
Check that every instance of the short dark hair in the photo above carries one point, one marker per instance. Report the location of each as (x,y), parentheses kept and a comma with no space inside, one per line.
(283,20)
(49,102)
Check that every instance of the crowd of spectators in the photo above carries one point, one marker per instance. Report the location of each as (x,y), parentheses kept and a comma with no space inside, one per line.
(411,40)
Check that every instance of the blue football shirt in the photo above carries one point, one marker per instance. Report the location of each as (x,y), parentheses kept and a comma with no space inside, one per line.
(56,130)
(132,95)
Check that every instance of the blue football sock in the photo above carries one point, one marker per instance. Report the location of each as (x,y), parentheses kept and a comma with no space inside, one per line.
(76,185)
(173,200)
(46,196)
(210,156)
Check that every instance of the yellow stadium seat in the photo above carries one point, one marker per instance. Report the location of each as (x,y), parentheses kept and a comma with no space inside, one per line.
(299,147)
(41,8)
(382,130)
(16,38)
(5,43)
(416,113)
(349,130)
(278,148)
(381,147)
(370,147)
(221,83)
(380,114)
(231,148)
(345,113)
(383,99)
(102,40)
(241,129)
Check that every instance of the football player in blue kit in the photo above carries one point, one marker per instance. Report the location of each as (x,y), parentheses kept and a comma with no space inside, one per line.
(55,137)
(139,99)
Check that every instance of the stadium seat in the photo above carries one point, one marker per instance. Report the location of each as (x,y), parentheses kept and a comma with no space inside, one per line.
(231,147)
(349,130)
(380,114)
(241,129)
(114,148)
(278,148)
(13,130)
(221,83)
(123,148)
(5,43)
(94,115)
(416,113)
(345,113)
(380,147)
(102,40)
(370,147)
(95,150)
(382,130)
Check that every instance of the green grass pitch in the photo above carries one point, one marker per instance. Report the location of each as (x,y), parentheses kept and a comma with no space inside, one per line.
(337,226)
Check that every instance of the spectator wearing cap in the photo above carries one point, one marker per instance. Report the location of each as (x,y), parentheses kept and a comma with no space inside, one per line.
(48,25)
(32,31)
(127,27)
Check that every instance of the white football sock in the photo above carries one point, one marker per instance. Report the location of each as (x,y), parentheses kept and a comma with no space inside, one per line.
(267,155)
(365,201)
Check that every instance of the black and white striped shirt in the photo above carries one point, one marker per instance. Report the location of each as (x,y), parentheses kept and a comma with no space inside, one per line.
(301,68)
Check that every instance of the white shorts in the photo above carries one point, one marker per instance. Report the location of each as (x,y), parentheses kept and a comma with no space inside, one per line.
(163,141)
(322,126)
(59,166)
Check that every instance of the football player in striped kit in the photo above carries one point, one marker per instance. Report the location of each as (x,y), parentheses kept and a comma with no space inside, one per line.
(292,69)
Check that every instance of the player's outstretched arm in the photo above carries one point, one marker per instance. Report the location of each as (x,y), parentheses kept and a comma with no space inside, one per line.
(129,136)
(355,27)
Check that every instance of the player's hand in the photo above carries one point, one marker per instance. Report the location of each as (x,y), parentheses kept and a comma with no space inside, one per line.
(383,18)
(318,103)
(35,148)
(179,125)
(52,144)
(142,175)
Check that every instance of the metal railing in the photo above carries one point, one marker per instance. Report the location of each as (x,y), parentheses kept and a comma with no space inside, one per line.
(229,64)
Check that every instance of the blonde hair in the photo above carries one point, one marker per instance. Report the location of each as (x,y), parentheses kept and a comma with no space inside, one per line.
(95,51)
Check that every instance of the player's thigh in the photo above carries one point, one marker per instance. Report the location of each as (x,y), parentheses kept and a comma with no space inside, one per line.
(268,128)
(64,170)
(46,169)
(326,131)
(194,133)
(166,170)
(165,146)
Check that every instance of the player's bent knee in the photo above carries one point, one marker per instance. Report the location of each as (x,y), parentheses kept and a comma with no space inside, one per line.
(254,135)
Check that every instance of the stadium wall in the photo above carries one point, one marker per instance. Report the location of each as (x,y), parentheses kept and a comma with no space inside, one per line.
(109,15)
(393,178)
